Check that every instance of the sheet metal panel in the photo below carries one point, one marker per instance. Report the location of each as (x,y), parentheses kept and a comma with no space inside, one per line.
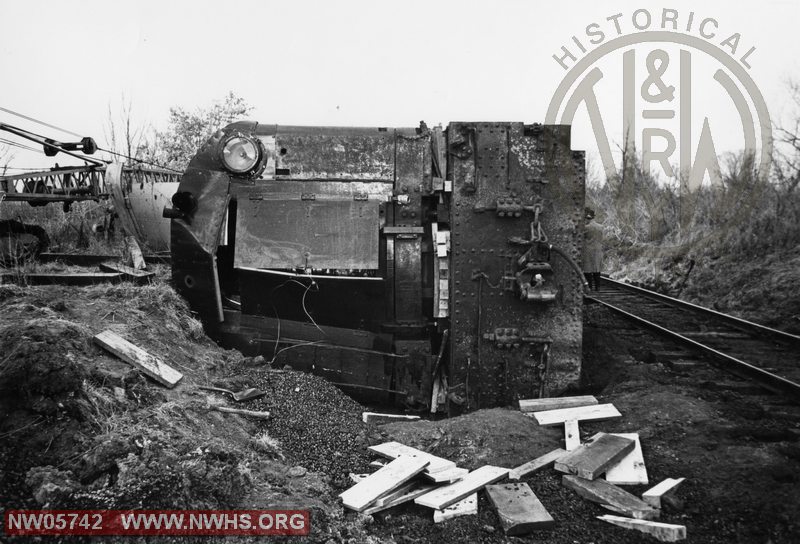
(291,234)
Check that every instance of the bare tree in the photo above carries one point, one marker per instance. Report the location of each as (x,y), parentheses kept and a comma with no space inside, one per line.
(125,136)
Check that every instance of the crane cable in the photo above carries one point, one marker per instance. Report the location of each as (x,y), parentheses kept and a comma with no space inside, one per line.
(40,122)
(79,136)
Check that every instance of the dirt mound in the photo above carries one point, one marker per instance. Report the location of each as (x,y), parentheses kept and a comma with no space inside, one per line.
(82,429)
(498,436)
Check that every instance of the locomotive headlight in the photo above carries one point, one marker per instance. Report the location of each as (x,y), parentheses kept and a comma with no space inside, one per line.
(240,154)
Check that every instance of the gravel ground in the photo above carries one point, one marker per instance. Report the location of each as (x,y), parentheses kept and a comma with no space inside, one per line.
(316,425)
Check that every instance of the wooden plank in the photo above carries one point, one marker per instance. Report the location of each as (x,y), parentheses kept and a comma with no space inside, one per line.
(464,507)
(630,470)
(555,403)
(393,450)
(375,417)
(150,365)
(443,497)
(60,278)
(242,412)
(654,495)
(140,276)
(399,492)
(602,492)
(590,460)
(447,476)
(519,509)
(400,496)
(572,435)
(537,464)
(582,413)
(665,532)
(384,481)
(85,259)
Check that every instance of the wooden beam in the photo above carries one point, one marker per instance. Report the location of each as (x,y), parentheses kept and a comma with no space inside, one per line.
(654,495)
(402,495)
(464,507)
(536,465)
(60,278)
(604,493)
(518,508)
(443,497)
(630,470)
(447,476)
(590,460)
(128,272)
(375,417)
(242,412)
(572,435)
(582,413)
(665,532)
(384,481)
(150,365)
(555,403)
(393,450)
(83,259)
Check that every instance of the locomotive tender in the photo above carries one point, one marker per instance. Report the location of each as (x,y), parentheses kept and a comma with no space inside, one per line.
(429,267)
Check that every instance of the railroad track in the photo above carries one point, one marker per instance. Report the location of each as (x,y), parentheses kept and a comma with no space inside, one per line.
(755,352)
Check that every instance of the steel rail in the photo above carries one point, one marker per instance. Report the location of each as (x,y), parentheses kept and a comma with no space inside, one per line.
(737,322)
(736,366)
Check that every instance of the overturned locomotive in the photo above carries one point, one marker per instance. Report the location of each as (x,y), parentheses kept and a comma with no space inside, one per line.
(433,268)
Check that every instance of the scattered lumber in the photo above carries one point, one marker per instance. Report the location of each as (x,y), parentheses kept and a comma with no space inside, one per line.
(60,278)
(394,450)
(536,465)
(377,418)
(518,508)
(403,494)
(464,507)
(128,272)
(555,403)
(654,495)
(447,476)
(630,470)
(242,412)
(582,413)
(150,365)
(604,493)
(442,497)
(665,532)
(572,435)
(590,460)
(382,482)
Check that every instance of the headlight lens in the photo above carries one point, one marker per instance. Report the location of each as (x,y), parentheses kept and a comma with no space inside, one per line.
(240,154)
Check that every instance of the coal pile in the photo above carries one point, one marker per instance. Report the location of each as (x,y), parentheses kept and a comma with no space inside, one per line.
(317,425)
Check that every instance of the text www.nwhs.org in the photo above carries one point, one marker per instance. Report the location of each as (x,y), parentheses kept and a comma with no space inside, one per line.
(157,522)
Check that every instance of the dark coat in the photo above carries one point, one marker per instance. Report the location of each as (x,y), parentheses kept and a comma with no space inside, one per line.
(593,247)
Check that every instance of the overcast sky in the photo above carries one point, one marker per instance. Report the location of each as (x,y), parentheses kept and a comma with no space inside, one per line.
(362,63)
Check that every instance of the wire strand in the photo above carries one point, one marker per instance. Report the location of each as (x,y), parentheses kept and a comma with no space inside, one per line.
(139,160)
(40,122)
(21,146)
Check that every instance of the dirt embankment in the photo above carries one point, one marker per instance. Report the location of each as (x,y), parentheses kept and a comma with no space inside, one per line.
(764,288)
(81,429)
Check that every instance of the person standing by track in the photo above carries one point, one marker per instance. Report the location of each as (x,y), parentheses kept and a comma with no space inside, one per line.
(592,250)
